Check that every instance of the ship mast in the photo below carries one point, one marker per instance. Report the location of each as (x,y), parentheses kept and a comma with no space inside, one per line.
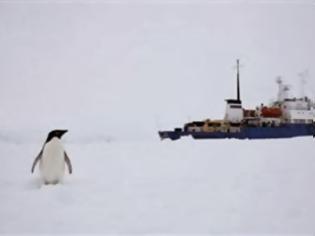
(234,111)
(238,79)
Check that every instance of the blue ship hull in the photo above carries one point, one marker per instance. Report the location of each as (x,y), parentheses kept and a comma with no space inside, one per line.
(283,131)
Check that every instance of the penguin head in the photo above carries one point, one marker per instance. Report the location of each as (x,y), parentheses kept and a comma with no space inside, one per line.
(57,133)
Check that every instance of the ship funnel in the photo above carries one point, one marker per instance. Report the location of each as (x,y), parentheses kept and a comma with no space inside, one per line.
(238,79)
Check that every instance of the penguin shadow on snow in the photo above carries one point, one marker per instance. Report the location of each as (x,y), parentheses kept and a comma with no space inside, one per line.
(53,160)
(38,183)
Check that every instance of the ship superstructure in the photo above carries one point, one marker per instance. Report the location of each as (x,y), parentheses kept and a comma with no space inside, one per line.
(285,118)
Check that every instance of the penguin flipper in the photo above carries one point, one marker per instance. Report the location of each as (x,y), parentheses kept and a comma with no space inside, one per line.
(68,162)
(39,156)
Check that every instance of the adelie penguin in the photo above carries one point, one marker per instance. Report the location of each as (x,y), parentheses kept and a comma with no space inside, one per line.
(53,158)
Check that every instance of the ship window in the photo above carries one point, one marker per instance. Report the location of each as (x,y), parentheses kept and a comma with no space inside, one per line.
(214,124)
(236,106)
(299,121)
(198,123)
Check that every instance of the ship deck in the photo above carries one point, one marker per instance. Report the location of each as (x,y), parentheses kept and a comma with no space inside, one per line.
(282,131)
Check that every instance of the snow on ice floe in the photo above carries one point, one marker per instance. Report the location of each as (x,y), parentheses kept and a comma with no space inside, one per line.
(164,187)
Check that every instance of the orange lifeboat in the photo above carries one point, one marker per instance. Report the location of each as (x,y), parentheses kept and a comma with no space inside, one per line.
(271,112)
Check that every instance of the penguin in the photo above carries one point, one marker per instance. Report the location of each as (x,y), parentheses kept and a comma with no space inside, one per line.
(52,159)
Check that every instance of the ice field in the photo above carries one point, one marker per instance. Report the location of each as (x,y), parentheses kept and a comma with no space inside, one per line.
(164,187)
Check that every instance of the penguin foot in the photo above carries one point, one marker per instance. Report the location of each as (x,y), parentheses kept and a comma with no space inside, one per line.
(55,182)
(51,182)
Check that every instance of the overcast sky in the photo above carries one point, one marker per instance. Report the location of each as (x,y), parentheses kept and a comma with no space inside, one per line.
(124,68)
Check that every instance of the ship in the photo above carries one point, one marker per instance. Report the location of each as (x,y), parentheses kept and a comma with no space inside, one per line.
(287,117)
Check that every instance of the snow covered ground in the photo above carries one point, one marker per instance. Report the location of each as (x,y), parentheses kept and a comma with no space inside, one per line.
(113,73)
(219,186)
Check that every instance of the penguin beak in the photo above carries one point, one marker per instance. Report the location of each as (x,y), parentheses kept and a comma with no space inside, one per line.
(64,131)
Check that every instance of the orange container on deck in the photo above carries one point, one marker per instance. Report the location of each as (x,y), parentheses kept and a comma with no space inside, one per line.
(272,112)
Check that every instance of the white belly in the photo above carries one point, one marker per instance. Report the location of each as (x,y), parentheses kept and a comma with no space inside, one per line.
(52,163)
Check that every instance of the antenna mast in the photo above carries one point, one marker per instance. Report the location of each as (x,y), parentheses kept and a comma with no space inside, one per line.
(238,79)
